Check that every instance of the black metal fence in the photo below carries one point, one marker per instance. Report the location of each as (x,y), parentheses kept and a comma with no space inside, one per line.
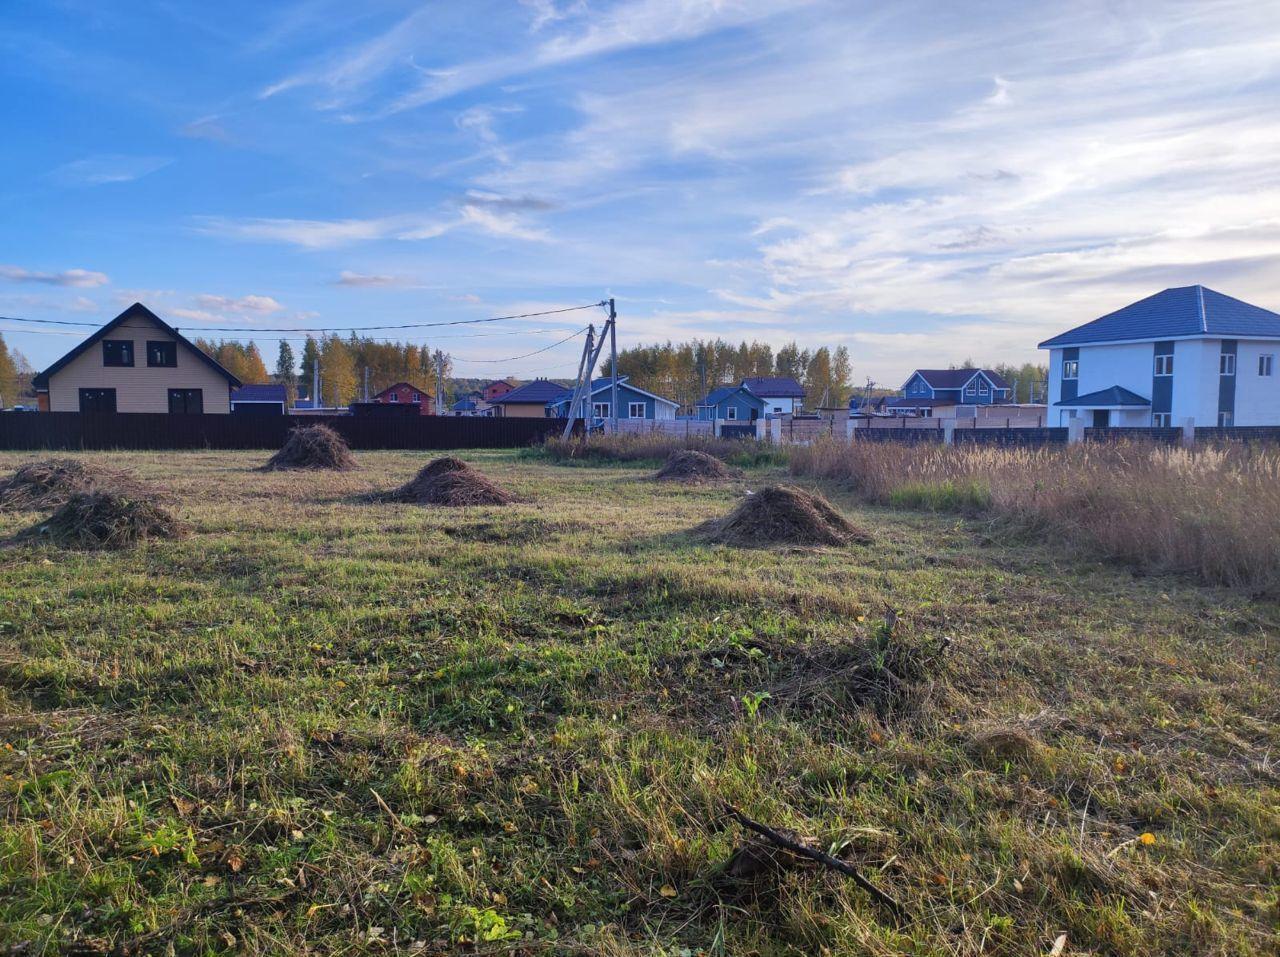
(159,431)
(1022,438)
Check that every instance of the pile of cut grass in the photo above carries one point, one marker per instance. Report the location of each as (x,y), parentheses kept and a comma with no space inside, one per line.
(313,447)
(106,520)
(693,468)
(48,483)
(783,515)
(451,482)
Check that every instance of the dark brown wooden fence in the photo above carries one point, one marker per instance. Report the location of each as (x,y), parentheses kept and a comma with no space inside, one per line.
(158,431)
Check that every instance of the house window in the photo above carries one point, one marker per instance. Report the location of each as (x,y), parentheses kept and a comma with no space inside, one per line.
(1161,420)
(117,352)
(1227,364)
(417,397)
(393,397)
(1264,365)
(162,355)
(1164,365)
(635,410)
(186,401)
(1070,368)
(600,410)
(97,400)
(1224,419)
(926,413)
(982,387)
(731,413)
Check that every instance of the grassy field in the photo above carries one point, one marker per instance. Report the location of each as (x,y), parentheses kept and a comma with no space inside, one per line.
(319,725)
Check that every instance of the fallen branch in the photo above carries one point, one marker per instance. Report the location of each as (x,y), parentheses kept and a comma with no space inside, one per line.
(795,847)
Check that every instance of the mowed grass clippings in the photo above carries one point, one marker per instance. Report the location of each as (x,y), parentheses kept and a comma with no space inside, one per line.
(317,725)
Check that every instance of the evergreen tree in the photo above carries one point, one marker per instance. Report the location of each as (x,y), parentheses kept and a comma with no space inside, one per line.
(310,358)
(286,373)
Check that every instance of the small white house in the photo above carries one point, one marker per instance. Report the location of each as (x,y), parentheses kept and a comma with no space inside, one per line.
(1184,353)
(782,395)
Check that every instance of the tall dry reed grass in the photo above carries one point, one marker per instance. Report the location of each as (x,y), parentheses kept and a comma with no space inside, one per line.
(1213,513)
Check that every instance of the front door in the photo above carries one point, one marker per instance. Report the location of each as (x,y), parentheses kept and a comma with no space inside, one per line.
(97,400)
(186,401)
(1101,418)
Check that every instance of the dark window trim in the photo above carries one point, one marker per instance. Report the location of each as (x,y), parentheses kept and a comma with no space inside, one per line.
(111,392)
(186,397)
(172,348)
(117,342)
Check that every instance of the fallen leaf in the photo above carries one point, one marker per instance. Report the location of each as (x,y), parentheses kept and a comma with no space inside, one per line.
(666,890)
(1059,946)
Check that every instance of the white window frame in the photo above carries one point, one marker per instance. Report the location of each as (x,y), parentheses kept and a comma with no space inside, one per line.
(417,397)
(393,397)
(1224,420)
(1226,364)
(1266,362)
(731,413)
(633,414)
(1070,369)
(1161,420)
(600,410)
(1164,365)
(982,387)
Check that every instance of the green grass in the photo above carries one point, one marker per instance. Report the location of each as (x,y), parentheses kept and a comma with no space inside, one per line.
(944,496)
(323,726)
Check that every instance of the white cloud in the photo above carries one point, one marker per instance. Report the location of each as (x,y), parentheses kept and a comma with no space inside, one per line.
(261,305)
(365,280)
(107,168)
(79,278)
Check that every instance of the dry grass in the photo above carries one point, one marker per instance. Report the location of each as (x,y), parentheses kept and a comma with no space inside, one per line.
(106,520)
(312,447)
(650,447)
(451,482)
(48,483)
(1213,513)
(783,515)
(692,467)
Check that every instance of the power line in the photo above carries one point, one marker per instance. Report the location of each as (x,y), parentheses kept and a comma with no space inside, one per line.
(527,354)
(322,329)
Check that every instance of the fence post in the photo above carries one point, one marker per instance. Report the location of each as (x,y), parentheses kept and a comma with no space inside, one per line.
(1188,432)
(1075,430)
(759,424)
(848,428)
(949,433)
(775,430)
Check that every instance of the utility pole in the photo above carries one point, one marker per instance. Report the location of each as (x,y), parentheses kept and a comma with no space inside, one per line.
(366,384)
(315,384)
(613,350)
(439,382)
(582,389)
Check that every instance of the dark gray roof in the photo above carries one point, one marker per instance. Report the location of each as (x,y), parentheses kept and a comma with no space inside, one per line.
(1186,311)
(41,380)
(956,378)
(538,391)
(1106,398)
(775,387)
(718,395)
(260,393)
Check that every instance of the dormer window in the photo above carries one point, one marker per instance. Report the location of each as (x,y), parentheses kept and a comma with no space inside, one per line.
(117,352)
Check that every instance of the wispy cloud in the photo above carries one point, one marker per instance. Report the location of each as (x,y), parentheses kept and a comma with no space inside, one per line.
(371,281)
(486,213)
(78,278)
(107,168)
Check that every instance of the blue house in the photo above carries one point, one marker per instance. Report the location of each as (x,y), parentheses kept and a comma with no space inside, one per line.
(633,402)
(732,403)
(930,392)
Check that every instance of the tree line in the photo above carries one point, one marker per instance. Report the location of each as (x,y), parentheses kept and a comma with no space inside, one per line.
(342,364)
(15,376)
(687,371)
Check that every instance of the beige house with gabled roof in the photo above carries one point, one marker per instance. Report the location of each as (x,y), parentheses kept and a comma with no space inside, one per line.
(136,363)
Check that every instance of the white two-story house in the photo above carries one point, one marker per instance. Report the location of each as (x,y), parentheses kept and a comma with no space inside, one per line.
(1183,354)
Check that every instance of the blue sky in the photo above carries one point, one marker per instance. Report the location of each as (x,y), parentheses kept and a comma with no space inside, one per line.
(919,181)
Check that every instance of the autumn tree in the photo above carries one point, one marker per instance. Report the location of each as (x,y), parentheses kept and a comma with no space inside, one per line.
(9,387)
(337,372)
